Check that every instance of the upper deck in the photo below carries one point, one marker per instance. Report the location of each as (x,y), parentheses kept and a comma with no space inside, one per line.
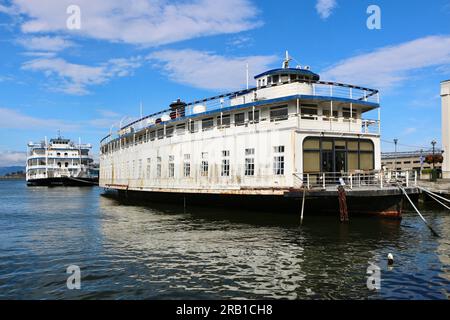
(307,92)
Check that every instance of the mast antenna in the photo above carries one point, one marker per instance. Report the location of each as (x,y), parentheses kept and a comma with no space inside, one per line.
(247,74)
(286,61)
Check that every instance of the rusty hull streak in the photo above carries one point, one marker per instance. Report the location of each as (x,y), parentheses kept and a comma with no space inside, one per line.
(241,191)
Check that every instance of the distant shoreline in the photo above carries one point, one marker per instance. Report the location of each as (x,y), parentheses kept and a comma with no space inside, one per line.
(12,178)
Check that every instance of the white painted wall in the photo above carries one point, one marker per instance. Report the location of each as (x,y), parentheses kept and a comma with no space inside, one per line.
(117,167)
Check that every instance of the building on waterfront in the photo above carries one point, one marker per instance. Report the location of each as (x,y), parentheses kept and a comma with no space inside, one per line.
(407,161)
(445,95)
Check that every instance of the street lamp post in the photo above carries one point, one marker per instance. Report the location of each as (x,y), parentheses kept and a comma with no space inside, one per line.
(395,154)
(433,143)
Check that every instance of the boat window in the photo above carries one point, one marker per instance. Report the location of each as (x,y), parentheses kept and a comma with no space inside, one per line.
(207,124)
(366,146)
(278,160)
(311,161)
(249,162)
(336,155)
(340,144)
(224,121)
(293,77)
(311,143)
(347,113)
(169,132)
(250,116)
(187,165)
(326,112)
(327,145)
(279,113)
(204,165)
(309,112)
(158,167)
(275,79)
(193,126)
(149,162)
(160,133)
(352,158)
(366,161)
(152,135)
(239,119)
(58,154)
(181,128)
(352,145)
(171,166)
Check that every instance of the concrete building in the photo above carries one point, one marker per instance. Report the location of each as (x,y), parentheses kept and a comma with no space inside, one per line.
(407,161)
(445,94)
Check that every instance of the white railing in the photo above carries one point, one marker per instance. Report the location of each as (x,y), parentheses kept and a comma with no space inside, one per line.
(356,180)
(318,89)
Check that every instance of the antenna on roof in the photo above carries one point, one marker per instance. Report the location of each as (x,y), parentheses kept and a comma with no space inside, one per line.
(286,61)
(247,74)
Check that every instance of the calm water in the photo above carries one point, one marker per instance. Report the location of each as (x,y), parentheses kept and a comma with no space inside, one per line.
(137,252)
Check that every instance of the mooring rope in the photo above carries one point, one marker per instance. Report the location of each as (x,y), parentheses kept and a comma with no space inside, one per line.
(434,194)
(417,210)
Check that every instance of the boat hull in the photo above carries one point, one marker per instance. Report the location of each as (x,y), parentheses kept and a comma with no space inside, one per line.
(383,206)
(63,181)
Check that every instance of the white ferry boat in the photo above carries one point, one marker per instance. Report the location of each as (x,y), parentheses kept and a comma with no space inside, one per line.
(60,162)
(260,147)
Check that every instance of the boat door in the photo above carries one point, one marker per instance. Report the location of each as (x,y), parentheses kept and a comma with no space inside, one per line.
(327,161)
(339,161)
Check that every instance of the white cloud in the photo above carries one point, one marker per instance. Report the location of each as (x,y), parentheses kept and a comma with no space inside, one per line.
(389,66)
(207,70)
(12,119)
(45,43)
(409,131)
(12,158)
(142,22)
(75,79)
(325,7)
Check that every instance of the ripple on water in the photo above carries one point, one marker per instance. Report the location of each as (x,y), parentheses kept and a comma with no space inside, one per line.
(129,251)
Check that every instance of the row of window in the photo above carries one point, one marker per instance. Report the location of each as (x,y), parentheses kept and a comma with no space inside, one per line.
(278,113)
(249,165)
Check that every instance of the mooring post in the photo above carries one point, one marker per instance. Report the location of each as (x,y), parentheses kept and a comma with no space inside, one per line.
(343,210)
(303,206)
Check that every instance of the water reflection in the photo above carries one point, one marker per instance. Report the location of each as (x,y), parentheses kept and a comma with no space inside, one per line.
(130,251)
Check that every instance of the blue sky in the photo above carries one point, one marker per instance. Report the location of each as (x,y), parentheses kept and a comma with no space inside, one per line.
(83,81)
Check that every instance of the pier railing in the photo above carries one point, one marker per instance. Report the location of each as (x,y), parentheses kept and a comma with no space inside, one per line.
(356,180)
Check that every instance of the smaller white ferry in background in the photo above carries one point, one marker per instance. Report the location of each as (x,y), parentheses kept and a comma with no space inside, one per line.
(60,162)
